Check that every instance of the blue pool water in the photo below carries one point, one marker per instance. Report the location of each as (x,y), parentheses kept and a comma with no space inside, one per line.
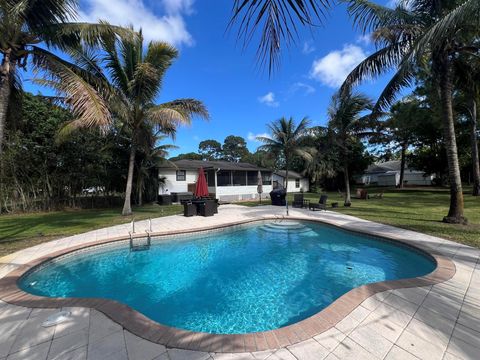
(237,281)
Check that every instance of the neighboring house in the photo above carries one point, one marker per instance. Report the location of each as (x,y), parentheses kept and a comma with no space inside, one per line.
(388,174)
(296,182)
(226,181)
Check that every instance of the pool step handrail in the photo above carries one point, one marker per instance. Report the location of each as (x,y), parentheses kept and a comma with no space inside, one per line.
(139,247)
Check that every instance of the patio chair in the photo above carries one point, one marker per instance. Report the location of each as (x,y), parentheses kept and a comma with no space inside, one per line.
(362,194)
(189,209)
(322,204)
(297,201)
(208,208)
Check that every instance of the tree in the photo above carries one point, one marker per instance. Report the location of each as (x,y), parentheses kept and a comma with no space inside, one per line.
(398,129)
(467,76)
(414,32)
(210,149)
(346,123)
(133,78)
(234,148)
(278,20)
(287,141)
(27,24)
(187,156)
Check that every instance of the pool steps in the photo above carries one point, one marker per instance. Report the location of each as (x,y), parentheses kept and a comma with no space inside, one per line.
(285,226)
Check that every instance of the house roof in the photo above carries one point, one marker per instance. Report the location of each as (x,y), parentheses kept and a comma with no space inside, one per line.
(393,165)
(186,164)
(291,174)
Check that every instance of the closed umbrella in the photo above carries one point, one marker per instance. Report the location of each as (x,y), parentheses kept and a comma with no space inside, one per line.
(201,187)
(259,185)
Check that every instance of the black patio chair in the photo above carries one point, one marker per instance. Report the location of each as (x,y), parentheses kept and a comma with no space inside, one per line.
(297,200)
(207,208)
(321,205)
(189,209)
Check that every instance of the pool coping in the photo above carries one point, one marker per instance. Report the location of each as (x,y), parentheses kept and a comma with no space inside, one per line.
(150,330)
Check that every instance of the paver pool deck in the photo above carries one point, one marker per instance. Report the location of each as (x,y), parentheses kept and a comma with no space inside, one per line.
(439,321)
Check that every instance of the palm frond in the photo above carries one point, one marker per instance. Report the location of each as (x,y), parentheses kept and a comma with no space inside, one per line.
(278,21)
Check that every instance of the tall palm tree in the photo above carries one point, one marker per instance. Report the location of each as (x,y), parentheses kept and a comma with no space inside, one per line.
(133,78)
(278,20)
(467,76)
(415,32)
(29,29)
(287,140)
(346,124)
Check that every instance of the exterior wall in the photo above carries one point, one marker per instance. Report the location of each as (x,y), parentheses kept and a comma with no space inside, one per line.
(391,179)
(236,193)
(417,178)
(304,183)
(171,183)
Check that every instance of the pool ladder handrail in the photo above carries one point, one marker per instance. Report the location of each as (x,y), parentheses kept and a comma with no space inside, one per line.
(141,247)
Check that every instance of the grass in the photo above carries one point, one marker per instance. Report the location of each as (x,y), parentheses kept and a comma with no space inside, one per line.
(20,231)
(415,209)
(419,209)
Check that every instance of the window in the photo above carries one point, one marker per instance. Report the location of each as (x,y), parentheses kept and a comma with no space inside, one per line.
(267,178)
(297,183)
(239,178)
(210,174)
(252,178)
(181,175)
(224,178)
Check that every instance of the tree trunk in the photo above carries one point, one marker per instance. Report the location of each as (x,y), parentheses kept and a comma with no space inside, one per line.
(348,199)
(455,212)
(4,100)
(475,157)
(402,165)
(127,205)
(286,187)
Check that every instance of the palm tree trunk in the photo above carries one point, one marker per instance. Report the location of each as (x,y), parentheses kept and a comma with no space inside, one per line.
(5,89)
(475,157)
(402,165)
(127,206)
(348,199)
(455,212)
(286,187)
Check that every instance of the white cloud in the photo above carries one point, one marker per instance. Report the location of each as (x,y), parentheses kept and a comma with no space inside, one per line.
(269,100)
(364,39)
(308,47)
(332,69)
(253,137)
(305,88)
(169,27)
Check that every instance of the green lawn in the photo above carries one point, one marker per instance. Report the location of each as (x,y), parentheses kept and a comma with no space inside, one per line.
(417,209)
(20,231)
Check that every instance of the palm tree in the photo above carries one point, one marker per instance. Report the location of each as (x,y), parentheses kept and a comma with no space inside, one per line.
(132,80)
(25,25)
(415,32)
(287,141)
(467,76)
(346,124)
(278,20)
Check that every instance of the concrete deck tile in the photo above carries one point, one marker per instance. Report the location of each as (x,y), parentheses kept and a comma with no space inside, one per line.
(106,346)
(376,345)
(330,338)
(420,347)
(37,352)
(462,349)
(350,350)
(262,355)
(467,335)
(178,354)
(237,356)
(101,326)
(32,333)
(309,350)
(347,325)
(414,295)
(79,320)
(381,324)
(397,353)
(282,354)
(141,349)
(77,354)
(68,343)
(401,304)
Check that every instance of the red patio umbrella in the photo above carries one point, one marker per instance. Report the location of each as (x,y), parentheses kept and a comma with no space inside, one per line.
(201,187)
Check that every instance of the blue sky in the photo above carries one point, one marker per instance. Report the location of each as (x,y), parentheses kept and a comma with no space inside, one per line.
(214,68)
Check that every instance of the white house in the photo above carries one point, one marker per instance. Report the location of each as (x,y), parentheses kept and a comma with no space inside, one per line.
(226,181)
(296,182)
(388,174)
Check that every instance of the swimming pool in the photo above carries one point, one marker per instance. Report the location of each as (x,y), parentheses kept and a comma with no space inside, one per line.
(255,278)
